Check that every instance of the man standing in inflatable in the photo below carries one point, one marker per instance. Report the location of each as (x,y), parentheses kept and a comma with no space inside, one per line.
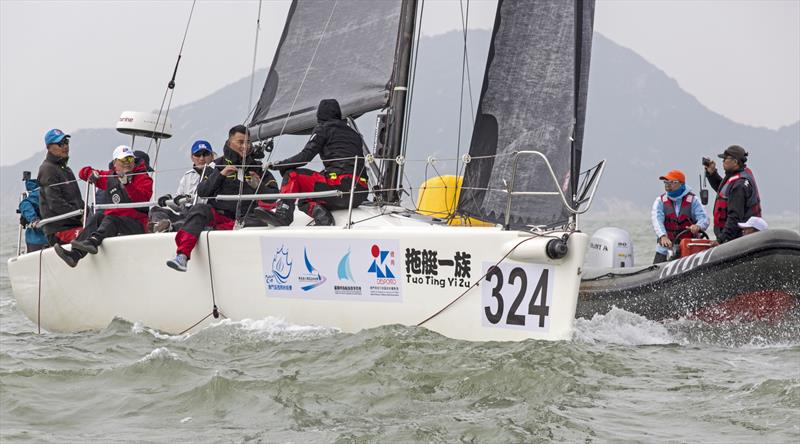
(737,194)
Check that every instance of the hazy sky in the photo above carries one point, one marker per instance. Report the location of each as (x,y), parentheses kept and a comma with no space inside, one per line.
(78,64)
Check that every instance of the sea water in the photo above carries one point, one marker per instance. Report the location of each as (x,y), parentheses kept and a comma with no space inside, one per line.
(621,379)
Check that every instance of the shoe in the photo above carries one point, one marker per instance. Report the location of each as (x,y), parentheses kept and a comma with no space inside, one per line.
(322,217)
(161,226)
(87,246)
(179,263)
(66,256)
(281,217)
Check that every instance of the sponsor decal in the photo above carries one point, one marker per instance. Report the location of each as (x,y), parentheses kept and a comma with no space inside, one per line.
(347,284)
(280,272)
(331,269)
(430,267)
(685,264)
(384,283)
(312,279)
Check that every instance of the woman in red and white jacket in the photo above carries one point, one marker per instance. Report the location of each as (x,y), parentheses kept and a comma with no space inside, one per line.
(126,182)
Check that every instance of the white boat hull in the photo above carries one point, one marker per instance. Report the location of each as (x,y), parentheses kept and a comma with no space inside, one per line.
(260,272)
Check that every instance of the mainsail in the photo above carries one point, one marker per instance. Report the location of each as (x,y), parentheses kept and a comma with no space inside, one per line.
(533,98)
(341,49)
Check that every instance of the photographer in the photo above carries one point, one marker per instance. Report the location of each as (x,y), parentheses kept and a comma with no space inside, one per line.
(237,171)
(737,193)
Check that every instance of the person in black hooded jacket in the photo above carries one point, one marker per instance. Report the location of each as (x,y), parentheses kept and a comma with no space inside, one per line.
(339,147)
(236,170)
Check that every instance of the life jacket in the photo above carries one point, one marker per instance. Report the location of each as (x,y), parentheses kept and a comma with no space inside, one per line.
(753,204)
(677,221)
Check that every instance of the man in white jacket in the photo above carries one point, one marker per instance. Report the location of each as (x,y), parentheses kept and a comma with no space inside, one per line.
(163,216)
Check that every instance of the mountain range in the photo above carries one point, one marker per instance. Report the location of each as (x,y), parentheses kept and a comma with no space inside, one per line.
(638,119)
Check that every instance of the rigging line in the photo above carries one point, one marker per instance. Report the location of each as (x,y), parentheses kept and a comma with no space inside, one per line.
(294,102)
(255,53)
(171,84)
(477,282)
(465,24)
(308,68)
(215,310)
(39,302)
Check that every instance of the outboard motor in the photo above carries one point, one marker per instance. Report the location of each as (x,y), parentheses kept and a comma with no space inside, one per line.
(610,248)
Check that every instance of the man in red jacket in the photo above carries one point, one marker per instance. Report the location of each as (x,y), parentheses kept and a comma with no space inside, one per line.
(127,182)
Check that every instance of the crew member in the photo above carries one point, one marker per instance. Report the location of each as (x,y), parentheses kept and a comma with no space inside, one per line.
(127,182)
(29,217)
(59,193)
(737,194)
(234,173)
(753,225)
(676,211)
(163,216)
(338,146)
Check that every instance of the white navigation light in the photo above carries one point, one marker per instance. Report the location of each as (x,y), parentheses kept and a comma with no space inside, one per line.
(141,124)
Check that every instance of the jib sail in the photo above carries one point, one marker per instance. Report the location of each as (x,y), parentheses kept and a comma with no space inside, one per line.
(533,98)
(342,49)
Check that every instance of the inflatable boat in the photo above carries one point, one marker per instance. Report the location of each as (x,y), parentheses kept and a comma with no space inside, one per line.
(755,277)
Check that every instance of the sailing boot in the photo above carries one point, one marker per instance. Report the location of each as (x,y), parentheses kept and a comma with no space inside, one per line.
(71,258)
(322,216)
(87,246)
(179,263)
(281,217)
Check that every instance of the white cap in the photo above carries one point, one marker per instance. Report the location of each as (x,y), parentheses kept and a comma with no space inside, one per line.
(122,152)
(754,222)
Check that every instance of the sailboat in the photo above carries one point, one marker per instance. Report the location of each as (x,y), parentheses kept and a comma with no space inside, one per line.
(514,278)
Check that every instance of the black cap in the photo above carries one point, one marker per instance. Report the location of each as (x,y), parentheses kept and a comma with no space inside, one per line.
(736,152)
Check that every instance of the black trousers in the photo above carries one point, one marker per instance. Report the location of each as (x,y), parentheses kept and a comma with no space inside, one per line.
(101,226)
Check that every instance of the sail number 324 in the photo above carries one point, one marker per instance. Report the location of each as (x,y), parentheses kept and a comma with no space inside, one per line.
(517,296)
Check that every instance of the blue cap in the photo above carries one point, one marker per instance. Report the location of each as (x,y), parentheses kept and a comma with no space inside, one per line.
(54,136)
(201,145)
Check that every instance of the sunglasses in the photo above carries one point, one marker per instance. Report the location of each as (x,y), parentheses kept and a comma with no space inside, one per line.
(128,159)
(63,143)
(201,153)
(671,182)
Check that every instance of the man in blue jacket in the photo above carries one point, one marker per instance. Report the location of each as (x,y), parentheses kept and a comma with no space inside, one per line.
(676,211)
(35,238)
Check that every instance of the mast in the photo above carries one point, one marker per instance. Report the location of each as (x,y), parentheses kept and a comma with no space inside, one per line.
(397,102)
(575,157)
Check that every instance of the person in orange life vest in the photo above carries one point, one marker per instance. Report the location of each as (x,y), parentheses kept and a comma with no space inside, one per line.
(126,182)
(753,225)
(233,173)
(676,210)
(59,193)
(337,145)
(737,194)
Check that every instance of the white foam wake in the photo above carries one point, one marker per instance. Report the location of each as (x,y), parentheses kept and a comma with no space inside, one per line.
(160,354)
(621,327)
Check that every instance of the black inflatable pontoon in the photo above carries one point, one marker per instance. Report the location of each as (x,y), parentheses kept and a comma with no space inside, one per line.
(753,277)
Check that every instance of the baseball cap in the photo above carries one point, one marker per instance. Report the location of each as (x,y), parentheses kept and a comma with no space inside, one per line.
(55,135)
(122,152)
(674,175)
(200,145)
(736,152)
(754,222)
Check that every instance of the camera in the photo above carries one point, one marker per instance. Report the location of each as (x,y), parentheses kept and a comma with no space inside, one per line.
(706,161)
(704,196)
(260,149)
